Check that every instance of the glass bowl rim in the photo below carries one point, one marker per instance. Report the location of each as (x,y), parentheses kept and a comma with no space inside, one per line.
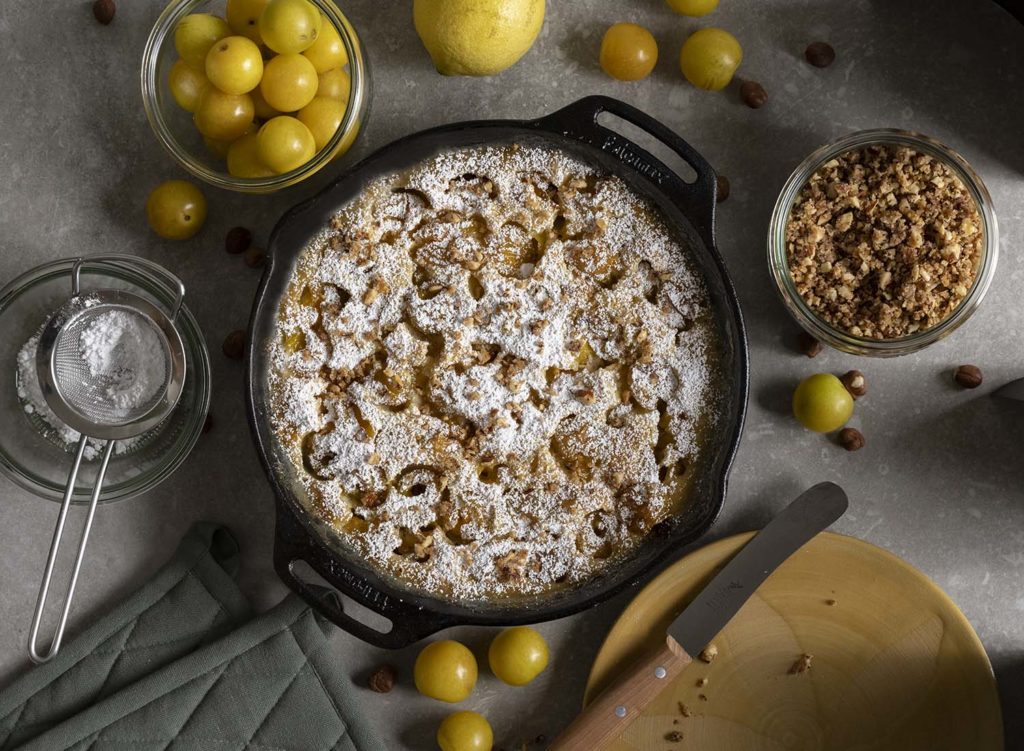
(162,35)
(125,270)
(843,340)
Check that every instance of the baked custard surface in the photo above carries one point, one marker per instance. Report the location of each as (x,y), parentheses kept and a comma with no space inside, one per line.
(494,373)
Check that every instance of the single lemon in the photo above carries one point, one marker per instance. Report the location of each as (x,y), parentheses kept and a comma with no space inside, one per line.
(477,37)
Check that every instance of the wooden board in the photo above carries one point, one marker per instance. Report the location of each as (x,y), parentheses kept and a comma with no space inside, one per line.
(895,665)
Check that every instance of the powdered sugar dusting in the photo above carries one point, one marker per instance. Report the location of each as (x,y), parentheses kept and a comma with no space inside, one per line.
(38,411)
(494,372)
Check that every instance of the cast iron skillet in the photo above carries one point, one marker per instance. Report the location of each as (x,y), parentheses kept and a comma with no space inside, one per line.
(689,209)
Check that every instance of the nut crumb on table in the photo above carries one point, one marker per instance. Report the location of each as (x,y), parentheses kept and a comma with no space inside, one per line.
(802,664)
(883,242)
(709,653)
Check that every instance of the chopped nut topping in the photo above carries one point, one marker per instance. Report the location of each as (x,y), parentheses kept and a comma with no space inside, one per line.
(511,565)
(883,241)
(424,548)
(371,499)
(586,396)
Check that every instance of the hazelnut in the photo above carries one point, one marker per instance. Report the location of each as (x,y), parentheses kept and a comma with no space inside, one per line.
(851,439)
(809,345)
(383,679)
(721,188)
(855,383)
(753,94)
(967,376)
(237,240)
(709,653)
(684,710)
(254,257)
(104,11)
(820,54)
(234,345)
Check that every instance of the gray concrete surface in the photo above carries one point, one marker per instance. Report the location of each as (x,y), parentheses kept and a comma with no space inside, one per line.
(940,482)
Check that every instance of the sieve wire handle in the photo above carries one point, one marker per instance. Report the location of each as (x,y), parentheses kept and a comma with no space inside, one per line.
(58,533)
(170,279)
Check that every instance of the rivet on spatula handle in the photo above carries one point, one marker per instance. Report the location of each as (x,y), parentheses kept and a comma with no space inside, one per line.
(617,706)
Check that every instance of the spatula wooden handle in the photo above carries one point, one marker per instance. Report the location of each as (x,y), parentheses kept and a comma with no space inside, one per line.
(616,707)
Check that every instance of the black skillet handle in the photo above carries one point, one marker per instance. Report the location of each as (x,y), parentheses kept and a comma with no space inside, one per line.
(696,199)
(294,543)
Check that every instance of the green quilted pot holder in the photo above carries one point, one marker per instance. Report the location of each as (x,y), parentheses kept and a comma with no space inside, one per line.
(172,669)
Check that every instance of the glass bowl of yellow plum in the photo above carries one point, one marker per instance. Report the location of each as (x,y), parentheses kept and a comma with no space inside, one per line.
(254,95)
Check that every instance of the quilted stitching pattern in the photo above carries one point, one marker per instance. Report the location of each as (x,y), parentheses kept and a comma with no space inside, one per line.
(185,618)
(174,669)
(268,698)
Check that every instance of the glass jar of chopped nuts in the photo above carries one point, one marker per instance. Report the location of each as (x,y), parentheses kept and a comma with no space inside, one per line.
(883,242)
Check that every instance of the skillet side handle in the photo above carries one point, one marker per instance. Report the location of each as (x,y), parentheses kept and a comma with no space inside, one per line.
(696,200)
(293,543)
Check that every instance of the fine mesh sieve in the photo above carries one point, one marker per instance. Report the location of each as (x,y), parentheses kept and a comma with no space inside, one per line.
(89,393)
(86,401)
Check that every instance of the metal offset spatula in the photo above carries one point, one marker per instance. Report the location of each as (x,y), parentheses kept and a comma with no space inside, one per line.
(616,707)
(76,396)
